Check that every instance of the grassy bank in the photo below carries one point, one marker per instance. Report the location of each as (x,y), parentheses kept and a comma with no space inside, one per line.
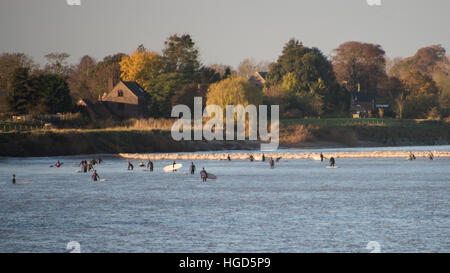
(144,138)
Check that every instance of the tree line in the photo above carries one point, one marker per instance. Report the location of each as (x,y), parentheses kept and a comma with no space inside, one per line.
(303,81)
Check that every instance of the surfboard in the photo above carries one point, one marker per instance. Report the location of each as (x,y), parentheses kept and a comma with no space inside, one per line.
(170,168)
(211,176)
(103,180)
(335,167)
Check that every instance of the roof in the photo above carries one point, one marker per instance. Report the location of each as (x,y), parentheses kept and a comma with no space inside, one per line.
(135,88)
(361,97)
(262,74)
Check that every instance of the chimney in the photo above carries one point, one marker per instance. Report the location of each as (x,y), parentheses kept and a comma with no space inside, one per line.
(110,84)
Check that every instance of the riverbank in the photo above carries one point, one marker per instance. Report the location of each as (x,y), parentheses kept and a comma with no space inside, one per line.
(301,134)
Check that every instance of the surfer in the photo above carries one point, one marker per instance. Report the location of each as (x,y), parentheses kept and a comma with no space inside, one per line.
(321,157)
(192,168)
(263,159)
(95,176)
(252,158)
(84,166)
(150,165)
(278,159)
(130,166)
(173,166)
(58,164)
(228,157)
(431,156)
(90,166)
(203,174)
(332,162)
(272,163)
(14,179)
(100,161)
(412,156)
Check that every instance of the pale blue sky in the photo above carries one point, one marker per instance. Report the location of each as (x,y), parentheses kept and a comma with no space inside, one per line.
(225,31)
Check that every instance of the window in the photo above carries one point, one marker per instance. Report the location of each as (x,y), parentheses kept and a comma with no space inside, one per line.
(120,106)
(120,93)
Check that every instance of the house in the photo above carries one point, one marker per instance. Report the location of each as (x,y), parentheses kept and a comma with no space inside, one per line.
(124,100)
(127,100)
(258,79)
(362,104)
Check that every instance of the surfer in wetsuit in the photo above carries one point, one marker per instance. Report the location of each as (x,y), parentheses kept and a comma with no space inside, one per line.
(263,159)
(58,164)
(203,174)
(173,167)
(272,163)
(14,179)
(100,161)
(84,166)
(321,157)
(332,162)
(192,168)
(130,166)
(412,156)
(228,157)
(95,176)
(252,158)
(150,165)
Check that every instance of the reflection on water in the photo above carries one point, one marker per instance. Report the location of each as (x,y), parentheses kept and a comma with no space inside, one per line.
(300,206)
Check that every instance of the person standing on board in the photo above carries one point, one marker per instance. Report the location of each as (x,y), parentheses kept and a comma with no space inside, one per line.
(332,162)
(173,166)
(321,157)
(203,174)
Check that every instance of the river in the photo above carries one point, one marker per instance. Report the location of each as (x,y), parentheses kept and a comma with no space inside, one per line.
(299,206)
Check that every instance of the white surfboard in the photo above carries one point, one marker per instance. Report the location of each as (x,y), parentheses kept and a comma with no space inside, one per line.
(171,167)
(335,167)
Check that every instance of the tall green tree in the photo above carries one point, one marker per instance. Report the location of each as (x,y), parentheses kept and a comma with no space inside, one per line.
(311,77)
(53,94)
(180,55)
(23,96)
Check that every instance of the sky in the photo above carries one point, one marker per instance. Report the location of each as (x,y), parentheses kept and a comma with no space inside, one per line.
(225,32)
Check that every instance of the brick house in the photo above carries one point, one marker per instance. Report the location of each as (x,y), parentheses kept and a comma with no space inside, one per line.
(258,79)
(127,100)
(361,104)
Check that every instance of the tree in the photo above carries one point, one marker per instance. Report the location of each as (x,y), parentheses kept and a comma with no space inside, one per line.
(106,75)
(23,97)
(208,75)
(249,66)
(80,78)
(185,95)
(143,66)
(306,74)
(421,95)
(53,94)
(57,64)
(360,66)
(162,90)
(180,55)
(233,91)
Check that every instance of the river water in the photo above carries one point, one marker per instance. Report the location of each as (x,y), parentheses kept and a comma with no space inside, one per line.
(300,206)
